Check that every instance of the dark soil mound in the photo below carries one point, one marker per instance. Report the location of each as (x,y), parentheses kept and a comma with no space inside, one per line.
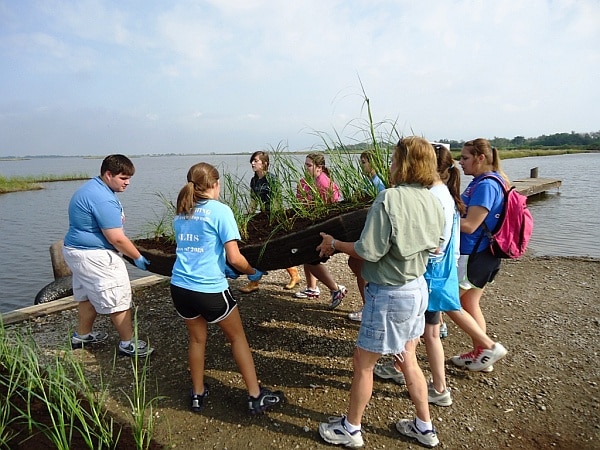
(270,246)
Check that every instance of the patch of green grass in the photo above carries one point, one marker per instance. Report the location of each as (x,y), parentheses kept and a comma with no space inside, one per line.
(31,183)
(70,403)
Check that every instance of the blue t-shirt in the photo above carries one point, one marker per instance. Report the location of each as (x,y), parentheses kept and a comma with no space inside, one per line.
(373,182)
(200,262)
(489,194)
(93,207)
(377,183)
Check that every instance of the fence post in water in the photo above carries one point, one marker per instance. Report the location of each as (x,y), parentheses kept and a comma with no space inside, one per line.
(59,266)
(533,173)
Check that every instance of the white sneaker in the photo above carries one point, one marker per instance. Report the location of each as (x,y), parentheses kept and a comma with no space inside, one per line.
(387,371)
(438,398)
(355,315)
(484,358)
(463,360)
(335,432)
(409,428)
(443,331)
(308,293)
(337,296)
(136,348)
(94,337)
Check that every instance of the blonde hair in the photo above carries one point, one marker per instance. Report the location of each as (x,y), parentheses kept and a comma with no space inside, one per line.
(415,162)
(200,178)
(481,146)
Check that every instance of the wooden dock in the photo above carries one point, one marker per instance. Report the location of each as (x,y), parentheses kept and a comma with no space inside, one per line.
(535,186)
(43,309)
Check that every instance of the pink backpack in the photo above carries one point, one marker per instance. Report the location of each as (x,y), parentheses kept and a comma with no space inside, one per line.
(511,235)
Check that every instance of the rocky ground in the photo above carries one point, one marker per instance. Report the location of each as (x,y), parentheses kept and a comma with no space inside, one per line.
(544,394)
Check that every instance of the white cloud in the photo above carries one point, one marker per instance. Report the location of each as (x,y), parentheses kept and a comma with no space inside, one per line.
(245,74)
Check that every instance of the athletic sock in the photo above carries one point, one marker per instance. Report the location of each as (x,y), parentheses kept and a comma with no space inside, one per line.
(351,428)
(423,426)
(124,343)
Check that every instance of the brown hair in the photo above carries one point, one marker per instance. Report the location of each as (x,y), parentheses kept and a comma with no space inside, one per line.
(449,174)
(117,164)
(263,156)
(200,178)
(318,160)
(415,162)
(481,146)
(368,155)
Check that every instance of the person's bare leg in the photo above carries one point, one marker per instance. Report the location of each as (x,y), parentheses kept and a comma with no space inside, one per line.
(234,332)
(123,324)
(435,355)
(362,384)
(468,324)
(469,300)
(320,272)
(311,280)
(197,330)
(294,277)
(86,315)
(355,265)
(415,380)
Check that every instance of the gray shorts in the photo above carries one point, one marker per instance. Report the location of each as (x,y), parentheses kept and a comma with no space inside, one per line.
(432,317)
(101,277)
(392,316)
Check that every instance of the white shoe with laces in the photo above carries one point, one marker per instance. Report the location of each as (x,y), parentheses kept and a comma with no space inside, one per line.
(338,296)
(335,432)
(308,293)
(388,371)
(409,428)
(484,358)
(136,348)
(438,398)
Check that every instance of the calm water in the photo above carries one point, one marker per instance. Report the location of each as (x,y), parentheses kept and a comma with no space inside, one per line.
(567,222)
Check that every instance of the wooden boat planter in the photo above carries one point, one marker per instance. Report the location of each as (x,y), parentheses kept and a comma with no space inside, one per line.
(293,249)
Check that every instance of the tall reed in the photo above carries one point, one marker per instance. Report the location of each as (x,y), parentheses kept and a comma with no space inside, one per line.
(344,167)
(60,386)
(141,406)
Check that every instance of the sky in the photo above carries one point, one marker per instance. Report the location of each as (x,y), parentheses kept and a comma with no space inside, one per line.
(91,77)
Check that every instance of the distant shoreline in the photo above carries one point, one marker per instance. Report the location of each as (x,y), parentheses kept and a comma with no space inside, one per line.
(504,154)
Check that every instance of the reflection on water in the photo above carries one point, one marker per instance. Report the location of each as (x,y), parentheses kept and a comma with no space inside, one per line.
(566,220)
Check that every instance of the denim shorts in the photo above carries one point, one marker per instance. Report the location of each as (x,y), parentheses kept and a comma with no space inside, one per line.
(392,316)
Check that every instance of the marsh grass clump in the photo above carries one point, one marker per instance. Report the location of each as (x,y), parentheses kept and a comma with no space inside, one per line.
(31,183)
(162,226)
(49,401)
(50,397)
(141,404)
(286,209)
